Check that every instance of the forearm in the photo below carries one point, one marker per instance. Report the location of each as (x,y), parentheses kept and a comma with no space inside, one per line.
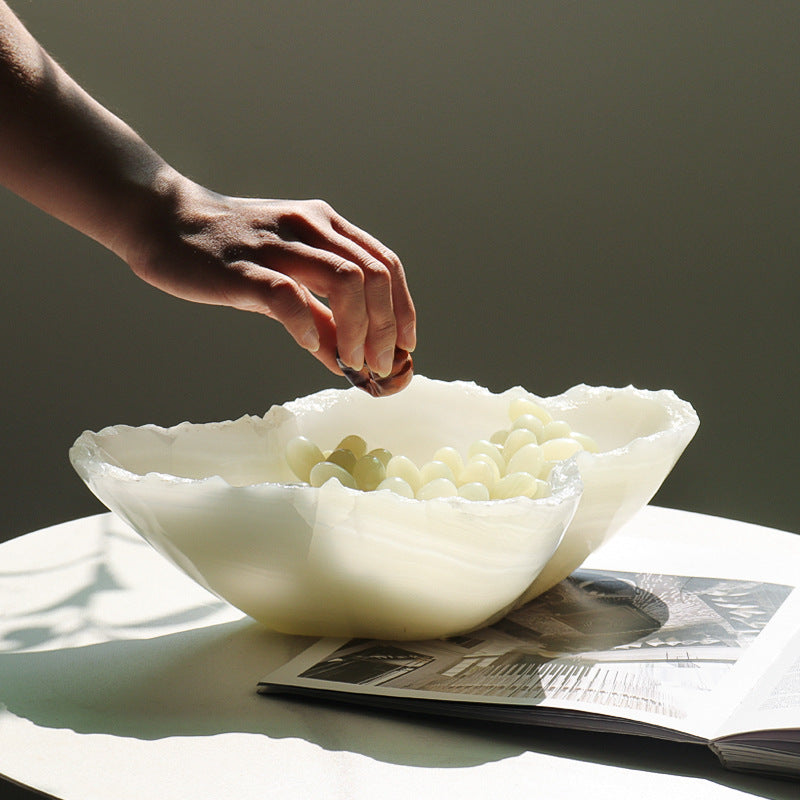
(63,151)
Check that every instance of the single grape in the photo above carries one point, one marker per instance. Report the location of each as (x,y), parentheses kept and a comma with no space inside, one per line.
(529,422)
(353,442)
(301,455)
(516,484)
(344,458)
(451,457)
(528,458)
(368,472)
(403,467)
(481,469)
(473,491)
(323,471)
(398,486)
(499,437)
(439,487)
(485,447)
(558,429)
(383,455)
(521,406)
(559,449)
(435,469)
(518,438)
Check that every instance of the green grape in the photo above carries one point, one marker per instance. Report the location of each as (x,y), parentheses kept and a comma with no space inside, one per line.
(515,484)
(368,473)
(520,406)
(451,457)
(485,447)
(398,486)
(405,468)
(529,458)
(354,443)
(435,469)
(473,491)
(518,438)
(529,422)
(301,455)
(325,470)
(499,437)
(383,455)
(559,449)
(480,469)
(558,429)
(344,458)
(438,487)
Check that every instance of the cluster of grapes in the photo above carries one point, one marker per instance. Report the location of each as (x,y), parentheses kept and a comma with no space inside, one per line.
(512,462)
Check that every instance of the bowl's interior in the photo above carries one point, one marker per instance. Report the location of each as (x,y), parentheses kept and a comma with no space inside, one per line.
(242,452)
(616,420)
(415,423)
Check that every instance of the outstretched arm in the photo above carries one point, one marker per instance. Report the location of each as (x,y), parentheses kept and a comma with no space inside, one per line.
(64,152)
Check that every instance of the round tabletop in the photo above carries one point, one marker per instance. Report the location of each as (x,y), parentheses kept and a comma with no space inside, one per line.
(120,677)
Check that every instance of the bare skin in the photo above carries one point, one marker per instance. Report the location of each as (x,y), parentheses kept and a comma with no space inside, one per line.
(67,154)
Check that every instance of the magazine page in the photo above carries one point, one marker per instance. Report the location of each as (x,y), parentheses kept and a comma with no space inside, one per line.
(632,644)
(636,646)
(774,703)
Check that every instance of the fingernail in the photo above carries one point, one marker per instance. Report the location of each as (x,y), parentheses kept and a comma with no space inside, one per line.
(310,340)
(357,357)
(385,361)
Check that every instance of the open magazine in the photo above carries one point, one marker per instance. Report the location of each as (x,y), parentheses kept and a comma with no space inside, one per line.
(706,659)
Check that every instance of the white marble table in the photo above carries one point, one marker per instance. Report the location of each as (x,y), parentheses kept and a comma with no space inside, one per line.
(120,678)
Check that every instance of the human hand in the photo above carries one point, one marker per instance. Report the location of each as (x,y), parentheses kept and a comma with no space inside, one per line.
(64,152)
(278,258)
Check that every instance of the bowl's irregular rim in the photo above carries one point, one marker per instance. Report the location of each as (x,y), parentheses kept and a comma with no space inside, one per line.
(682,416)
(566,483)
(90,459)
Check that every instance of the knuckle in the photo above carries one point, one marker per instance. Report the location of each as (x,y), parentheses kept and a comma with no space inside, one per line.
(348,274)
(377,274)
(306,218)
(320,207)
(286,297)
(391,259)
(291,224)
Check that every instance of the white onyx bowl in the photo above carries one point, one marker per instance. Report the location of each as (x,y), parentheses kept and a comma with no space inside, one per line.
(220,502)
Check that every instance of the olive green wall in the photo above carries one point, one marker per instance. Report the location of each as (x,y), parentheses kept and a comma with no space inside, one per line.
(580,192)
